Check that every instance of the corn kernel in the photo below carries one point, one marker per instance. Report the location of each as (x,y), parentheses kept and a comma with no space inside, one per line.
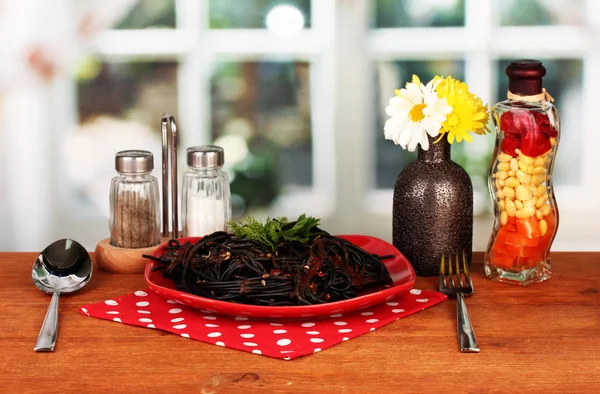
(546,209)
(538,170)
(501,175)
(543,226)
(539,214)
(525,159)
(510,208)
(511,173)
(537,179)
(522,166)
(524,213)
(539,161)
(541,201)
(552,141)
(531,202)
(509,192)
(522,192)
(503,218)
(512,182)
(518,204)
(501,205)
(540,190)
(500,183)
(503,166)
(503,157)
(500,195)
(523,177)
(514,165)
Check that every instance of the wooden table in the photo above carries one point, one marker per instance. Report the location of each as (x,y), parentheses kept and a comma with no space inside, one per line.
(544,338)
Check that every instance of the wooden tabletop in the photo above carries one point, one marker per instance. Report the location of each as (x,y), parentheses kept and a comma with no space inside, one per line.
(543,338)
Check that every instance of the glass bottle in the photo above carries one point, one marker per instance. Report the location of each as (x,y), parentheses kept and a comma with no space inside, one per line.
(206,202)
(520,179)
(134,201)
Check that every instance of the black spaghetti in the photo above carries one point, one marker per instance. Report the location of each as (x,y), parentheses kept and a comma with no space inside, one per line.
(226,267)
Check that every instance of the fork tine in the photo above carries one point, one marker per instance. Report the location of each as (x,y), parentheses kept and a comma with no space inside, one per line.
(458,272)
(466,269)
(450,272)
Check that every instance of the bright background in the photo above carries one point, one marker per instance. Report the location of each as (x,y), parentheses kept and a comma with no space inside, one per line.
(294,90)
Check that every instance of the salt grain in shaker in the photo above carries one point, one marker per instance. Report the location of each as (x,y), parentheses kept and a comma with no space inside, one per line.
(206,202)
(134,201)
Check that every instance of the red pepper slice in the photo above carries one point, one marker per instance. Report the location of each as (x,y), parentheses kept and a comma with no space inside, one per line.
(528,126)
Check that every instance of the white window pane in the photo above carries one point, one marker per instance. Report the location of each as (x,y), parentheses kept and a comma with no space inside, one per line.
(419,13)
(540,12)
(261,116)
(255,14)
(563,81)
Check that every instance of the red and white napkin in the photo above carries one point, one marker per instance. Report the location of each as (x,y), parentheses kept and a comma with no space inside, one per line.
(282,339)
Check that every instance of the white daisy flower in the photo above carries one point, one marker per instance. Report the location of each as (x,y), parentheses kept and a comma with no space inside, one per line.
(415,111)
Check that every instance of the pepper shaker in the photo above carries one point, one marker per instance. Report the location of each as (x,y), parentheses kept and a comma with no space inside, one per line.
(206,201)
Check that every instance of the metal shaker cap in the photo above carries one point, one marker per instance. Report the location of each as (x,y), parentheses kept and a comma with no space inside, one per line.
(205,156)
(134,161)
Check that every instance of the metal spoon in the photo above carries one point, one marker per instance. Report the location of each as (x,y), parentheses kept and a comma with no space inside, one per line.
(63,267)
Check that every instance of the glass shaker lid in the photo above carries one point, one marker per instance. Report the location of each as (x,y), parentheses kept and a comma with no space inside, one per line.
(205,156)
(134,161)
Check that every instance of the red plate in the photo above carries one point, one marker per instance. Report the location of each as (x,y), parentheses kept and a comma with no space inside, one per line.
(402,274)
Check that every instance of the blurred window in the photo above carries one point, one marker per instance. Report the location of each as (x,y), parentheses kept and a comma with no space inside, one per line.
(419,13)
(540,12)
(255,14)
(149,14)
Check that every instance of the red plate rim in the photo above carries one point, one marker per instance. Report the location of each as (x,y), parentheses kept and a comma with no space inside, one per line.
(401,271)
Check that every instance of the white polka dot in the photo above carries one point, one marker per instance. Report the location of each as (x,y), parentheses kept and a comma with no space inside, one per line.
(372,329)
(313,332)
(344,330)
(142,303)
(151,326)
(287,358)
(286,351)
(145,320)
(256,351)
(371,321)
(247,336)
(214,334)
(209,317)
(284,342)
(392,303)
(117,320)
(185,335)
(317,350)
(366,313)
(112,312)
(172,302)
(180,326)
(345,339)
(250,344)
(336,315)
(415,291)
(422,300)
(140,293)
(211,325)
(340,323)
(276,324)
(397,310)
(174,310)
(309,324)
(220,343)
(177,320)
(244,327)
(279,331)
(317,340)
(144,312)
(242,318)
(111,302)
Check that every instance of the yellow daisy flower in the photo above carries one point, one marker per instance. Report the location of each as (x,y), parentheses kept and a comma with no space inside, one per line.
(469,113)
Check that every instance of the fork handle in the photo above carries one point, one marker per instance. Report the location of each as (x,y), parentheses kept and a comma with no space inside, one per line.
(466,336)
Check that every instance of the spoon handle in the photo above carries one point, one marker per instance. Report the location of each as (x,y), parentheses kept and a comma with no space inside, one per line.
(47,336)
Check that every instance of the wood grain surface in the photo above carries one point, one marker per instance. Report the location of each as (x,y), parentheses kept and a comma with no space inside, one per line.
(544,338)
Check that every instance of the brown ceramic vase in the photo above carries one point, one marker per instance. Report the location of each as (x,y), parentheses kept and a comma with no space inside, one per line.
(433,210)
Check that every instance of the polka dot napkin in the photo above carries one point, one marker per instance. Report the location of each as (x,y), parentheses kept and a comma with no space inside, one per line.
(282,339)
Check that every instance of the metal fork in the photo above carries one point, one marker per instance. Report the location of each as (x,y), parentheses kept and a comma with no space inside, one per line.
(459,284)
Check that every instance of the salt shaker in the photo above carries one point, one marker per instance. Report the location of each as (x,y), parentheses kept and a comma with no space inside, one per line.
(206,202)
(134,201)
